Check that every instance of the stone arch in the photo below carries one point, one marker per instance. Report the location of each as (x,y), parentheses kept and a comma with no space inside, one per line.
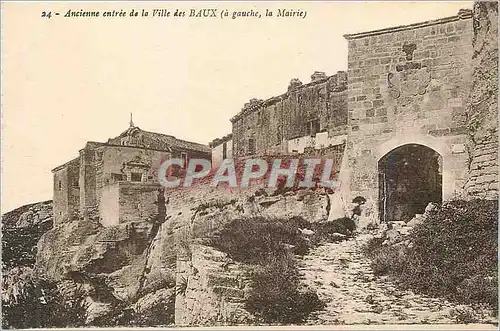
(410,177)
(434,143)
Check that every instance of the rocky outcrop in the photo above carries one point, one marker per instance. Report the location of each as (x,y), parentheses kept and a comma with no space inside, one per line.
(211,287)
(483,104)
(136,266)
(21,230)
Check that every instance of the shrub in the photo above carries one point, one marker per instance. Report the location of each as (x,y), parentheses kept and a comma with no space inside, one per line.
(389,259)
(276,297)
(453,253)
(254,240)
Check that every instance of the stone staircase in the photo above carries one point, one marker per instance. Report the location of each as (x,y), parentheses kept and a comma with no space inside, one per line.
(344,280)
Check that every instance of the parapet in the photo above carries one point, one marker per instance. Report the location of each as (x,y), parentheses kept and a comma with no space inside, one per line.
(462,14)
(338,80)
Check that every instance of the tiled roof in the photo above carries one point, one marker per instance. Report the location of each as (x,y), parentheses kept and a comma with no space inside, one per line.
(159,141)
(176,143)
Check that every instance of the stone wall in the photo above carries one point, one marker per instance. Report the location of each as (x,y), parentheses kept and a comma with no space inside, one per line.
(88,198)
(139,201)
(265,127)
(66,192)
(210,289)
(409,85)
(221,149)
(483,104)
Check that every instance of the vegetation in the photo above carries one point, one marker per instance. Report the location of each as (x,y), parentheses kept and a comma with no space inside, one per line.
(277,295)
(254,240)
(32,302)
(451,254)
(19,244)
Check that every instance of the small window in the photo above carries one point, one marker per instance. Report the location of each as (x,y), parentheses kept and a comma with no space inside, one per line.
(313,127)
(75,184)
(59,185)
(251,146)
(117,177)
(184,158)
(224,151)
(136,177)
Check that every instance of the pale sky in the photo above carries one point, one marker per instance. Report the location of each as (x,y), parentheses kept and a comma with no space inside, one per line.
(66,81)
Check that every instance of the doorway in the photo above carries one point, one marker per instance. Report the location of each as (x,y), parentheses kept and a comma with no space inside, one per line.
(410,177)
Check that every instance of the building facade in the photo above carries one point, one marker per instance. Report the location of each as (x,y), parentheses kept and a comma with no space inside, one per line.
(407,95)
(222,148)
(312,115)
(117,181)
(401,123)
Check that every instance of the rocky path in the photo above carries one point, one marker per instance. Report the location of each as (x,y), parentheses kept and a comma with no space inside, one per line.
(343,278)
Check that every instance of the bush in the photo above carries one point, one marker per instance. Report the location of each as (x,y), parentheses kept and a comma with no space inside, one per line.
(32,302)
(276,296)
(453,254)
(255,240)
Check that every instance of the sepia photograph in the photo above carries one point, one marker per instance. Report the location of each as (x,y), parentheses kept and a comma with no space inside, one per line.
(251,165)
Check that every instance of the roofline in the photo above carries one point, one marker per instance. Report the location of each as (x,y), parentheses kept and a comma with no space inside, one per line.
(270,101)
(218,141)
(137,147)
(156,149)
(166,135)
(462,14)
(65,164)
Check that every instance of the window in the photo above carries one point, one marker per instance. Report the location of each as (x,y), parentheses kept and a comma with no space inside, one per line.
(251,146)
(136,177)
(59,185)
(117,177)
(75,183)
(278,135)
(313,127)
(184,158)
(224,151)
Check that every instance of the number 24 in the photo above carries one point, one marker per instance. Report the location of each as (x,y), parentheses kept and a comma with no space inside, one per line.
(47,14)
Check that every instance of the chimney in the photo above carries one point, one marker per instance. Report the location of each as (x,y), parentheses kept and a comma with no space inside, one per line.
(317,76)
(294,84)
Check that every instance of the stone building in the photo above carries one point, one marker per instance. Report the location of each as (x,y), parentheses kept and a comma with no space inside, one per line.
(116,181)
(222,148)
(312,115)
(398,119)
(408,89)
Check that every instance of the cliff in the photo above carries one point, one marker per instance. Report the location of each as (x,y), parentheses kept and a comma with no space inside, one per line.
(149,272)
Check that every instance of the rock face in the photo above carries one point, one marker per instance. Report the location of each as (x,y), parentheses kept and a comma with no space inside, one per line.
(211,287)
(483,104)
(22,228)
(140,265)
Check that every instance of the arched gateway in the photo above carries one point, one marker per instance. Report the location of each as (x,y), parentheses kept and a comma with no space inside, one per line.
(410,176)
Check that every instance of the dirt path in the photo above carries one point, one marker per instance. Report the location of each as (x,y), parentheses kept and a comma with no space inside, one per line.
(343,278)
